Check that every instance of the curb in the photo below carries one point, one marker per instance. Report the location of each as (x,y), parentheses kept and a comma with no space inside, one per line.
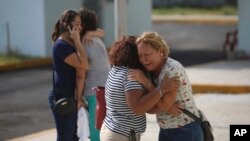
(42,134)
(198,19)
(197,88)
(26,64)
(226,89)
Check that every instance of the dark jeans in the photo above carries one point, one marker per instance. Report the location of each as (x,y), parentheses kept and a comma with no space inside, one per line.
(66,125)
(189,132)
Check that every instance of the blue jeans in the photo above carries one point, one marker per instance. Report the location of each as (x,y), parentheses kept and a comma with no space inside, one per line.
(189,132)
(66,125)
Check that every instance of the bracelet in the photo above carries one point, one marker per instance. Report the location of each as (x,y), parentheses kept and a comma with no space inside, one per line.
(159,89)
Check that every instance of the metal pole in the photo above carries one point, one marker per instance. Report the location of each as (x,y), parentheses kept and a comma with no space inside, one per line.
(8,39)
(116,18)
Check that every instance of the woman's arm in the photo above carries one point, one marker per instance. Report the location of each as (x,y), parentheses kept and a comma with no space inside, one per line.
(87,38)
(165,103)
(168,86)
(98,32)
(139,102)
(154,110)
(168,100)
(138,75)
(175,110)
(79,59)
(80,80)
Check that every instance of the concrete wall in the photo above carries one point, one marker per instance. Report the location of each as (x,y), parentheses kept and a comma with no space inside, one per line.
(202,3)
(143,10)
(31,23)
(244,25)
(26,26)
(108,21)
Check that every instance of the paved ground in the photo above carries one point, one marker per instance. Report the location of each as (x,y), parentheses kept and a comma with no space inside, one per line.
(230,72)
(222,109)
(194,43)
(23,102)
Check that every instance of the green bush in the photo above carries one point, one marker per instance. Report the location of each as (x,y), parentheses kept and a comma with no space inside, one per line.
(14,58)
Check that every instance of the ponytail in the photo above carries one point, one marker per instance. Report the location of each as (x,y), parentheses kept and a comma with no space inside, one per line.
(63,22)
(56,33)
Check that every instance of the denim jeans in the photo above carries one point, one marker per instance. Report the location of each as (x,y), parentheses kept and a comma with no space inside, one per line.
(189,132)
(66,125)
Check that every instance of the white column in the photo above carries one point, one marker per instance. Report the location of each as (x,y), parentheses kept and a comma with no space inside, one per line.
(244,22)
(121,13)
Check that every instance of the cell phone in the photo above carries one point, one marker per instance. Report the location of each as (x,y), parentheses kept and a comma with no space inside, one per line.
(70,27)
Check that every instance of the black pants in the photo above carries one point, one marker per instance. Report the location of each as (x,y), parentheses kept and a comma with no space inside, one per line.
(66,125)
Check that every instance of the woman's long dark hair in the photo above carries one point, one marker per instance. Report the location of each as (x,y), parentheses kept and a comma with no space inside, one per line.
(89,20)
(61,25)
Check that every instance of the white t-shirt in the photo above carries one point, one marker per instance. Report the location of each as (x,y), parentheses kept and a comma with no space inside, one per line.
(98,66)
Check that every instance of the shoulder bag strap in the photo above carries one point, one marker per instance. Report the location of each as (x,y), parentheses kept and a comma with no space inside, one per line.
(53,88)
(193,116)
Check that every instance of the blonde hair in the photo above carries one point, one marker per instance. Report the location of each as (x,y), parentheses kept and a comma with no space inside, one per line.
(155,40)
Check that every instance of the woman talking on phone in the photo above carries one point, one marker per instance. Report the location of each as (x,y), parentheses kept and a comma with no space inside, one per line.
(69,63)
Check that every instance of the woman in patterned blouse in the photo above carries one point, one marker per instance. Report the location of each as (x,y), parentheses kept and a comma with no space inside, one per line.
(174,125)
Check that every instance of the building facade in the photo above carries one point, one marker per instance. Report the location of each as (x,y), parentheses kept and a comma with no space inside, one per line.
(26,25)
(244,27)
(30,24)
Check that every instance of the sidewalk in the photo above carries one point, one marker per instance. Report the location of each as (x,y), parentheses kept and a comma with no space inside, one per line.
(218,106)
(222,76)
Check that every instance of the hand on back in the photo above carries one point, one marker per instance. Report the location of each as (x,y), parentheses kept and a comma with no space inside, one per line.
(138,75)
(169,84)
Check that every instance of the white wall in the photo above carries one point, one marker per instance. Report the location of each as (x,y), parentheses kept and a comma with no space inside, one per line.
(31,24)
(26,22)
(139,16)
(244,25)
(108,22)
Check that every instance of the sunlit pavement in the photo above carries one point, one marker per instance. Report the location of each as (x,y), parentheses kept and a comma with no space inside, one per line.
(222,109)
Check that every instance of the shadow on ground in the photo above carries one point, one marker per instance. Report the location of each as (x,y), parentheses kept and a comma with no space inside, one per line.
(195,57)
